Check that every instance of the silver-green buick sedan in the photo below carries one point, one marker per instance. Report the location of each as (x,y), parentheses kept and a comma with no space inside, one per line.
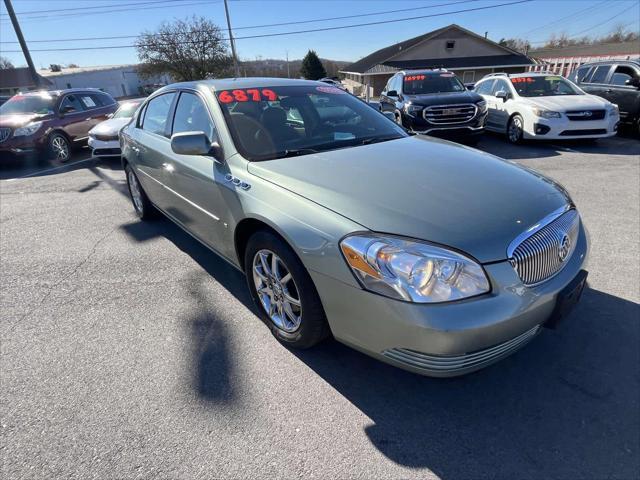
(425,254)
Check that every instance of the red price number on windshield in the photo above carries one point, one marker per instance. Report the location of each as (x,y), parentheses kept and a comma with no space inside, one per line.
(414,78)
(247,95)
(522,80)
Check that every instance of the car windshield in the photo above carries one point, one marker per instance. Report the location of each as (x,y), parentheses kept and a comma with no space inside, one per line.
(550,86)
(38,104)
(126,110)
(286,121)
(424,84)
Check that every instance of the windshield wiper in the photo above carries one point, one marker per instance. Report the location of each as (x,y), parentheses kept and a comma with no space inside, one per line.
(370,140)
(291,152)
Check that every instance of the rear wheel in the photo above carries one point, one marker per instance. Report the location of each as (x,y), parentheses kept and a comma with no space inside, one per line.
(59,147)
(141,204)
(515,129)
(284,292)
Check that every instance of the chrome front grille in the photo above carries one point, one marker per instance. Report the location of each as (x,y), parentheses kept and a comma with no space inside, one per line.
(5,133)
(450,114)
(542,251)
(447,364)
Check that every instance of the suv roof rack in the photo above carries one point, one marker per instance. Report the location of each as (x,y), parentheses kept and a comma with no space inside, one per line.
(434,69)
(499,74)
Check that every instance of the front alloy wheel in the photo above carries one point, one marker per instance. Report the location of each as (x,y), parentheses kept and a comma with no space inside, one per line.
(283,291)
(141,204)
(59,147)
(514,131)
(277,290)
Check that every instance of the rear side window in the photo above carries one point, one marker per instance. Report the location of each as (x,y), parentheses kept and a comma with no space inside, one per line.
(485,88)
(599,74)
(89,101)
(192,116)
(105,99)
(622,74)
(157,113)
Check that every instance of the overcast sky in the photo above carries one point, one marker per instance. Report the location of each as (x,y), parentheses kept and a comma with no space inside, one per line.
(97,18)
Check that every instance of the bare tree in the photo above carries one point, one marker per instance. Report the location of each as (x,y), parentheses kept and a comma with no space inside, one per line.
(517,44)
(5,63)
(191,49)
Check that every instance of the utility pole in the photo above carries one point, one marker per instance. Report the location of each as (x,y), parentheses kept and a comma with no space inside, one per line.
(288,75)
(23,44)
(233,44)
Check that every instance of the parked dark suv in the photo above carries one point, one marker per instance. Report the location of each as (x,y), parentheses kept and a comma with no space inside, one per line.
(434,102)
(616,80)
(51,121)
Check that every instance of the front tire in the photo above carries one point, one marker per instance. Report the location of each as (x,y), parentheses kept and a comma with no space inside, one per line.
(141,204)
(515,129)
(59,147)
(284,292)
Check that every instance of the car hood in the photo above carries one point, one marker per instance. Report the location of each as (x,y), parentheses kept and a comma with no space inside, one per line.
(19,119)
(447,98)
(111,126)
(423,188)
(560,103)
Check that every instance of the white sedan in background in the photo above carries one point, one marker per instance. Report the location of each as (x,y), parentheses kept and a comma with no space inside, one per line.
(545,106)
(103,138)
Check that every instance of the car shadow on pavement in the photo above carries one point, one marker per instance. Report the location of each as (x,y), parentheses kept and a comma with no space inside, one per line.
(566,406)
(497,145)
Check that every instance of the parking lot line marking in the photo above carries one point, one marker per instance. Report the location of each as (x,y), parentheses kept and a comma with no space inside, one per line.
(48,170)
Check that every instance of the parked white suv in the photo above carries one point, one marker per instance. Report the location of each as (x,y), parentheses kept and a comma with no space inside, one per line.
(544,106)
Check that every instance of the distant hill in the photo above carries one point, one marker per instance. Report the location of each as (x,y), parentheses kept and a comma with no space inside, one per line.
(271,67)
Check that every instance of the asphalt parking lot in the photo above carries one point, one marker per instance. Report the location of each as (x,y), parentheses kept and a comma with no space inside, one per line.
(130,351)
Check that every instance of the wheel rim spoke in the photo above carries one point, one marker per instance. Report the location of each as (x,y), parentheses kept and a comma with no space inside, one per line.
(277,290)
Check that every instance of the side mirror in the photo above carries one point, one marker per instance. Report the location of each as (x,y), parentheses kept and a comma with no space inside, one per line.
(110,115)
(633,82)
(195,143)
(392,93)
(390,115)
(502,94)
(67,109)
(471,87)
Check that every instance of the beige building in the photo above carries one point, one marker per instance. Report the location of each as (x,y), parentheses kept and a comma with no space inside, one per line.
(469,55)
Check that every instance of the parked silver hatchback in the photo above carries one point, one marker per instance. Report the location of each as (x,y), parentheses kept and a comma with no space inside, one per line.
(425,254)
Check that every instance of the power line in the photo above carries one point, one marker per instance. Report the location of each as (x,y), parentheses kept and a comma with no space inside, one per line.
(572,16)
(599,24)
(267,25)
(116,10)
(311,30)
(95,6)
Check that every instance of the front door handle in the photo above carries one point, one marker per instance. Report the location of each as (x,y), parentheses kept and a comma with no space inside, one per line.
(608,90)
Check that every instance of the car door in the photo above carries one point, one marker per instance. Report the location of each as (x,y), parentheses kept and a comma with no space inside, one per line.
(96,112)
(623,90)
(596,81)
(388,102)
(486,90)
(152,147)
(500,111)
(73,116)
(195,180)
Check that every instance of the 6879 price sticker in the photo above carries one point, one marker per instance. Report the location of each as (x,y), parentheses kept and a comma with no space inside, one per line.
(247,95)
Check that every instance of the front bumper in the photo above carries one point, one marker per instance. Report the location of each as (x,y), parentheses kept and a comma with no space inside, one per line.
(23,145)
(490,326)
(565,129)
(102,148)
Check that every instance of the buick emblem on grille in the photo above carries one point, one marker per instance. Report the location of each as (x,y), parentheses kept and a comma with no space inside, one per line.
(564,247)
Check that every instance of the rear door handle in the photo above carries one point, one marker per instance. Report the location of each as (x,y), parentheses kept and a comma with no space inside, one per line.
(168,167)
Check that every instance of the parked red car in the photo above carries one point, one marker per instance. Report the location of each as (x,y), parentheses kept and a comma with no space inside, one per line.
(53,122)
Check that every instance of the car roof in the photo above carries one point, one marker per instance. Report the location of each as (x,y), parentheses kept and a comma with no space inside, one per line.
(634,61)
(57,93)
(426,71)
(240,82)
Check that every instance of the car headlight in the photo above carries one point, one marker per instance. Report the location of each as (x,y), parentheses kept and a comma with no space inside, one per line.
(613,109)
(411,109)
(539,112)
(28,129)
(482,106)
(412,271)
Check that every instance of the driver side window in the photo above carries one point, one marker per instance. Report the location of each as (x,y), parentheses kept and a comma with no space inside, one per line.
(71,101)
(192,116)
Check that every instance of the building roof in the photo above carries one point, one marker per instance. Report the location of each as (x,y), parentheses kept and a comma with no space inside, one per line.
(19,78)
(618,48)
(465,62)
(45,72)
(384,56)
